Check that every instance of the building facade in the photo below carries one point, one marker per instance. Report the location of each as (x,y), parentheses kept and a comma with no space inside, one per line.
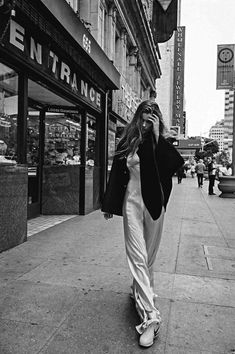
(216,132)
(164,86)
(71,74)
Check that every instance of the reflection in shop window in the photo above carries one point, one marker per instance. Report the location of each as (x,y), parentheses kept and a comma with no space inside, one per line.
(8,114)
(62,139)
(91,142)
(32,137)
(111,143)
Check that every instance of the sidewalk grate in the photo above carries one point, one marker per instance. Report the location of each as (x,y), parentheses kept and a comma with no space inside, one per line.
(220,259)
(44,222)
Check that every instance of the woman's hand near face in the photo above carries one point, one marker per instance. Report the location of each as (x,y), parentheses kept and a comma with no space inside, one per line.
(155,121)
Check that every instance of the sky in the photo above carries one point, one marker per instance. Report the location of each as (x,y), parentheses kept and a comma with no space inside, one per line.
(208,23)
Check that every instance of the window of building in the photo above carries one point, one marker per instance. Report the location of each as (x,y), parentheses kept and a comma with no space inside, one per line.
(8,113)
(101,24)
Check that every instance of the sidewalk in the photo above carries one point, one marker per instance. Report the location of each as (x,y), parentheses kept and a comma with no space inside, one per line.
(66,290)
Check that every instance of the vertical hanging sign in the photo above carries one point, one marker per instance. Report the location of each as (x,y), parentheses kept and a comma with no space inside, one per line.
(178,83)
(225,66)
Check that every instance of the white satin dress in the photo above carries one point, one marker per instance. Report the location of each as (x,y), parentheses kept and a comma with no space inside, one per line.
(142,239)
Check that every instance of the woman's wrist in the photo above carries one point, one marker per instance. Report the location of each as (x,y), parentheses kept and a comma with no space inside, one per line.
(156,134)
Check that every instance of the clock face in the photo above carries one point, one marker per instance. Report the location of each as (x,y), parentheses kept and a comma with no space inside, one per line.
(225,55)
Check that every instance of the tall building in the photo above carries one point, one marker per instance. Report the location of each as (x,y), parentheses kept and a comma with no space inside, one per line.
(170,87)
(164,86)
(216,132)
(228,121)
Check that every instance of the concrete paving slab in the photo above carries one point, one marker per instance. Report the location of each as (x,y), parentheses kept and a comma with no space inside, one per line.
(37,303)
(73,272)
(167,256)
(222,266)
(105,251)
(169,222)
(202,229)
(22,338)
(14,266)
(231,242)
(223,211)
(172,349)
(90,243)
(104,322)
(202,327)
(88,252)
(192,261)
(219,252)
(163,284)
(35,248)
(219,292)
(192,212)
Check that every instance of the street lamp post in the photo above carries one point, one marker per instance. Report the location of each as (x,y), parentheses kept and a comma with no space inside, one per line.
(233,150)
(225,80)
(208,143)
(227,183)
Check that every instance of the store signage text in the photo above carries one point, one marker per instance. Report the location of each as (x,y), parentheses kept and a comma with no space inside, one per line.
(190,144)
(178,93)
(51,62)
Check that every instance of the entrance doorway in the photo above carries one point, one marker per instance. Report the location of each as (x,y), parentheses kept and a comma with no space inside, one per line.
(34,145)
(43,130)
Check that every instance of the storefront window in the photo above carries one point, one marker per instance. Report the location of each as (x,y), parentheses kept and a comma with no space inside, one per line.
(62,139)
(33,138)
(92,176)
(111,143)
(33,155)
(91,141)
(8,114)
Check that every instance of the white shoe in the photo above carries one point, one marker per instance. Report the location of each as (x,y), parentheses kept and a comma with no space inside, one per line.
(148,336)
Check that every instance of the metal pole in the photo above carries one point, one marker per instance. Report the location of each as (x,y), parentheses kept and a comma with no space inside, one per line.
(233,150)
(179,12)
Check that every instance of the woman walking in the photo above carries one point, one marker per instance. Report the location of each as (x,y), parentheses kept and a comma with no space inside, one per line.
(139,187)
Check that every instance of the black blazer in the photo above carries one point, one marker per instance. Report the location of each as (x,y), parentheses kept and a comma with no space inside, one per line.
(158,162)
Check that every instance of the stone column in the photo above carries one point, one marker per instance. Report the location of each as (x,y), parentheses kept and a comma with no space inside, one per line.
(13,205)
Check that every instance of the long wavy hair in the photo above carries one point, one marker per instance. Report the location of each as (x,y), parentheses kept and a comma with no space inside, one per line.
(133,134)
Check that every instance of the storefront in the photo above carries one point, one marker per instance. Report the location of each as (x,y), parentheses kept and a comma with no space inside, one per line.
(53,106)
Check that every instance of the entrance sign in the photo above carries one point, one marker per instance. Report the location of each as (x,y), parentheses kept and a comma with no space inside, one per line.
(178,79)
(225,66)
(50,61)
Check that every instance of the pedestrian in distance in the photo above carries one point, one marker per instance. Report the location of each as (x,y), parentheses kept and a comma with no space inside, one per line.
(180,174)
(192,170)
(139,188)
(211,175)
(200,169)
(224,170)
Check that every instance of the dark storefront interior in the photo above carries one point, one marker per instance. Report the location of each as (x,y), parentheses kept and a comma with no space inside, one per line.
(53,137)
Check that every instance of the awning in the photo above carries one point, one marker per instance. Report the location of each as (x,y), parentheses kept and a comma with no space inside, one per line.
(164,19)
